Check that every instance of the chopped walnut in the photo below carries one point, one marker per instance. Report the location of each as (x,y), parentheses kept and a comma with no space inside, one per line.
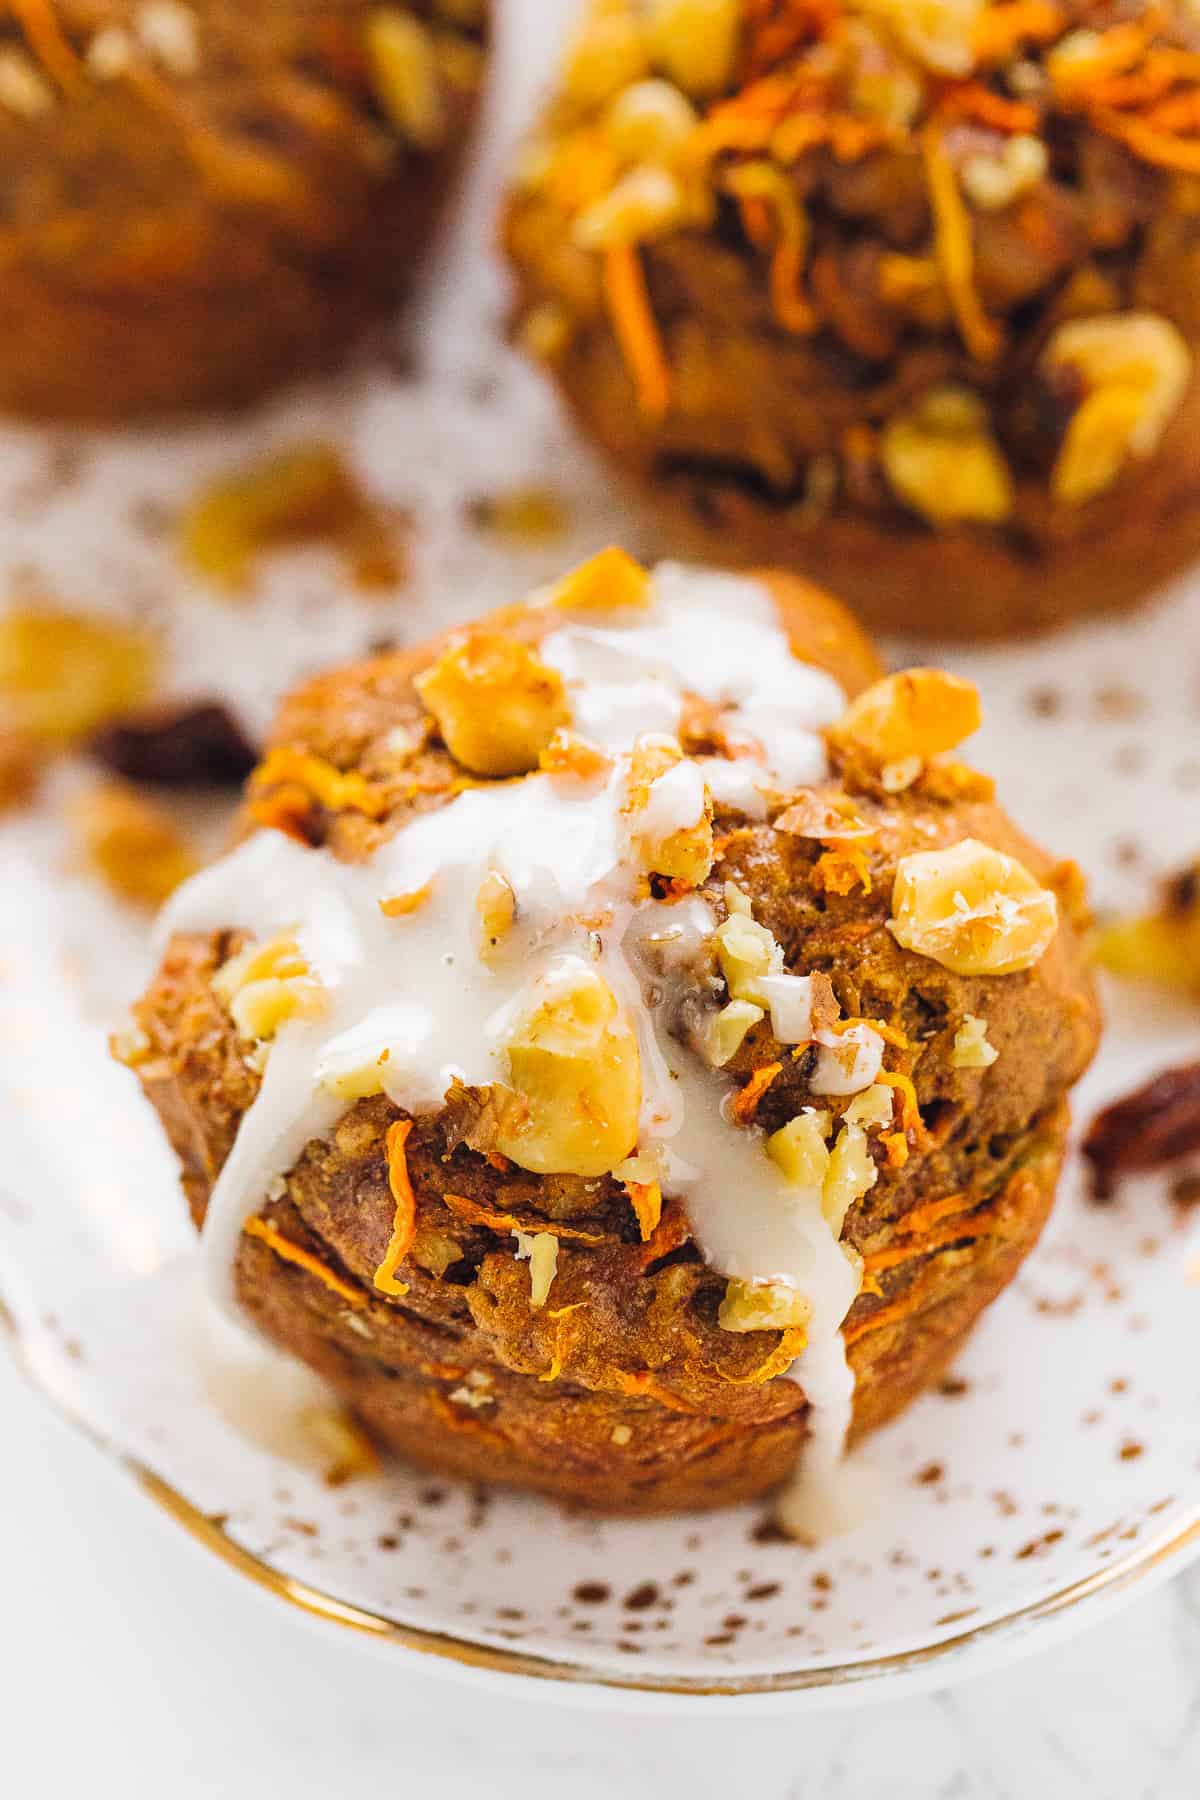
(644,204)
(23,89)
(746,951)
(850,1175)
(762,1306)
(132,843)
(496,907)
(723,1033)
(402,60)
(497,705)
(670,811)
(1134,368)
(346,1452)
(992,181)
(62,675)
(526,515)
(919,713)
(873,1106)
(540,1249)
(305,494)
(1162,946)
(608,582)
(939,33)
(799,1148)
(695,42)
(972,909)
(943,460)
(265,984)
(971,1048)
(608,54)
(650,122)
(575,1078)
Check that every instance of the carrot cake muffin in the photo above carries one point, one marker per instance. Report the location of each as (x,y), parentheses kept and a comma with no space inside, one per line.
(626,1049)
(903,295)
(200,199)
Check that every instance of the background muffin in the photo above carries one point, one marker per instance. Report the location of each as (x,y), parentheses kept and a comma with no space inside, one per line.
(549,1319)
(902,296)
(199,200)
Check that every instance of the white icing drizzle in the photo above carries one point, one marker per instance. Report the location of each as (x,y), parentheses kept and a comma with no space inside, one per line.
(415,987)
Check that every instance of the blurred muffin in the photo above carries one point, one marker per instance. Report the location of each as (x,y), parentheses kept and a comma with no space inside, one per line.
(200,200)
(615,1060)
(906,296)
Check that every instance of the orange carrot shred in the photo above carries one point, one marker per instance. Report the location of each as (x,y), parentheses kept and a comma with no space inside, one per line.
(476,1214)
(646,1199)
(404,1225)
(955,1231)
(1161,148)
(790,1344)
(289,1252)
(637,332)
(642,1385)
(921,1217)
(48,42)
(954,247)
(746,1103)
(336,789)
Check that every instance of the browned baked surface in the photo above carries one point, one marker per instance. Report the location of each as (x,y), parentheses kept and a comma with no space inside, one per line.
(809,295)
(201,200)
(461,1372)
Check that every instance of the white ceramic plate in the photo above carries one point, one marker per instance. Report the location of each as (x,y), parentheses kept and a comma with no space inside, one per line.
(1059,1466)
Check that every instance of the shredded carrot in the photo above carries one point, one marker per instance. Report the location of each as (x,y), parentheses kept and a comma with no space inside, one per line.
(954,247)
(785,281)
(404,1225)
(672,1231)
(756,220)
(336,789)
(1161,148)
(790,1344)
(646,1199)
(957,1231)
(840,871)
(637,332)
(556,1362)
(642,1385)
(288,1252)
(491,1220)
(443,1371)
(910,1112)
(895,1146)
(972,100)
(48,42)
(922,1217)
(884,1315)
(746,1103)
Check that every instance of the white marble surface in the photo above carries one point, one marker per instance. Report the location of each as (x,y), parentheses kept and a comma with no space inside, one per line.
(132,1665)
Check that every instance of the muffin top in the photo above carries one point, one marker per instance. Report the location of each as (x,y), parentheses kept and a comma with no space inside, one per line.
(978,213)
(116,112)
(608,887)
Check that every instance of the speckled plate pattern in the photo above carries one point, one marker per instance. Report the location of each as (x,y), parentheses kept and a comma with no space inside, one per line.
(1058,1464)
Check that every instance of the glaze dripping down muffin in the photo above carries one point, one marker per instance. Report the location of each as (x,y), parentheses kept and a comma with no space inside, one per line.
(901,295)
(626,1049)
